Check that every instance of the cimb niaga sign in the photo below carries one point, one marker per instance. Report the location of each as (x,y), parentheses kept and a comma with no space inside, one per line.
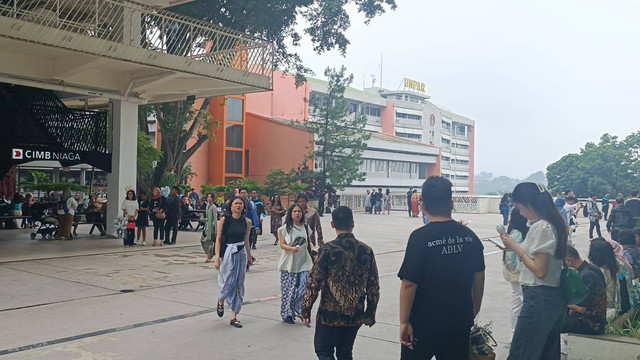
(20,154)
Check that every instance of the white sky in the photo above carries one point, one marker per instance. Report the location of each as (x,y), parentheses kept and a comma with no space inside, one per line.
(540,78)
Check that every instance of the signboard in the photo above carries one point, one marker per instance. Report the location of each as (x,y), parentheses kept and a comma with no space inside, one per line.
(413,85)
(21,154)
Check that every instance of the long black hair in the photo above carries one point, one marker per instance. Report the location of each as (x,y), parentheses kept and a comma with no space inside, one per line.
(601,254)
(518,222)
(126,196)
(537,198)
(228,211)
(289,221)
(274,199)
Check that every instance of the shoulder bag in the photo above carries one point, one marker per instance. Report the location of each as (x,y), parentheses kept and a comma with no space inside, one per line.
(574,288)
(312,253)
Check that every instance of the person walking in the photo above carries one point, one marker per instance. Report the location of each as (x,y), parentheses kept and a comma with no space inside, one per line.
(295,263)
(505,208)
(620,219)
(211,221)
(594,216)
(130,212)
(415,206)
(367,203)
(511,264)
(312,219)
(277,211)
(173,215)
(142,221)
(537,333)
(235,230)
(346,275)
(409,195)
(436,310)
(387,201)
(158,208)
(605,205)
(66,211)
(251,214)
(378,201)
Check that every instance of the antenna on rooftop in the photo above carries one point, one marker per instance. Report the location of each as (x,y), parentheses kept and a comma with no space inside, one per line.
(373,80)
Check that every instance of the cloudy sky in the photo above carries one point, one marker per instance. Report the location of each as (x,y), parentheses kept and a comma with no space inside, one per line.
(540,78)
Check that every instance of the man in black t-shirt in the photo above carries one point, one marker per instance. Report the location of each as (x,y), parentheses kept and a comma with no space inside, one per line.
(442,281)
(633,204)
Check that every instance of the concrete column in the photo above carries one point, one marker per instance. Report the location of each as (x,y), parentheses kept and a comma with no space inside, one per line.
(83,176)
(124,156)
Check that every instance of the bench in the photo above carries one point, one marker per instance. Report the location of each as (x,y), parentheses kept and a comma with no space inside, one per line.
(6,219)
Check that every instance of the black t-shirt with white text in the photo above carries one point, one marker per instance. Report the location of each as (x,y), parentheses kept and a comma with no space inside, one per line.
(442,259)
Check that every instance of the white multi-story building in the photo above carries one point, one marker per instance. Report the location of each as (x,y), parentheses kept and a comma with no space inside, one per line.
(412,138)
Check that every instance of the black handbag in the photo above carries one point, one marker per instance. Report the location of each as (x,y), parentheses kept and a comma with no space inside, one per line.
(312,253)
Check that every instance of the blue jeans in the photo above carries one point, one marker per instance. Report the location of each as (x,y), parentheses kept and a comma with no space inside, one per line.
(537,333)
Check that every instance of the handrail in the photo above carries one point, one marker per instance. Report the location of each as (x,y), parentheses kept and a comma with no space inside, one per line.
(142,26)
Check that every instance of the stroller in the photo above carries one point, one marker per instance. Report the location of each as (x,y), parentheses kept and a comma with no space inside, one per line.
(43,213)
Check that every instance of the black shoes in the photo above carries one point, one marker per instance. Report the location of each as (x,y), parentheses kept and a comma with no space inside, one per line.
(289,320)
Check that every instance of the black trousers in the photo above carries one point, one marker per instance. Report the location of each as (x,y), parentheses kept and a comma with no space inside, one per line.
(334,338)
(253,237)
(574,325)
(158,227)
(444,346)
(605,210)
(171,224)
(596,225)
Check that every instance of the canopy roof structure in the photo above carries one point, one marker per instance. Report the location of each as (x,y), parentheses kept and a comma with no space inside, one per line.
(38,126)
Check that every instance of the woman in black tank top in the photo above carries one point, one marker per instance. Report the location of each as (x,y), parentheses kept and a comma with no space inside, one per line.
(237,255)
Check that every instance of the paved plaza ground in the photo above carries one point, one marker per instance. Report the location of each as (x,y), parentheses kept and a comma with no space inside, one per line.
(72,299)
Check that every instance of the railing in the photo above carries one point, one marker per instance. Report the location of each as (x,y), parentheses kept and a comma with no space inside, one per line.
(142,26)
(461,203)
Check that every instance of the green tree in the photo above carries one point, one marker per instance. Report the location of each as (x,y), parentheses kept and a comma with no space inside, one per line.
(179,123)
(276,20)
(277,181)
(598,168)
(148,157)
(340,136)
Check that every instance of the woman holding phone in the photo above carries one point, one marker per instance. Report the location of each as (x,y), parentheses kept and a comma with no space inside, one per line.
(537,332)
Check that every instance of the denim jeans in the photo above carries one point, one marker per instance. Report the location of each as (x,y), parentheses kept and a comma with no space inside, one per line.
(537,334)
(341,338)
(594,225)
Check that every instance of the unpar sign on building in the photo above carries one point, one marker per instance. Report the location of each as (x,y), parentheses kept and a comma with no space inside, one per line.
(413,85)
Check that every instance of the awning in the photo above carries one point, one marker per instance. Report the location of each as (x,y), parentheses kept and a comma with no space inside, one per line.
(36,125)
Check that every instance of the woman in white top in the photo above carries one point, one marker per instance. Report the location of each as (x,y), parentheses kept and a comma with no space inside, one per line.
(130,206)
(537,333)
(130,211)
(295,263)
(68,205)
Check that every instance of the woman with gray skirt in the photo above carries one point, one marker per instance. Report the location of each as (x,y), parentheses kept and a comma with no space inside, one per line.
(237,255)
(211,220)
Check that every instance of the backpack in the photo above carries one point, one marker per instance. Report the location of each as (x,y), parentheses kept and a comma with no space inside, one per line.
(585,211)
(62,208)
(623,219)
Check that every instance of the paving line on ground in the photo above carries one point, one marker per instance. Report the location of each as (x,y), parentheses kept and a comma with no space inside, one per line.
(124,328)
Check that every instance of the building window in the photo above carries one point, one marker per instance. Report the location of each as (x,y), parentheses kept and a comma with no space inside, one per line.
(229,180)
(353,108)
(370,110)
(378,166)
(446,141)
(400,115)
(446,125)
(234,109)
(401,167)
(432,120)
(409,136)
(233,162)
(233,136)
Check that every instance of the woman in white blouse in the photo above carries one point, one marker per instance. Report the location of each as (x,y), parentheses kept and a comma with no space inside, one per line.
(537,333)
(295,263)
